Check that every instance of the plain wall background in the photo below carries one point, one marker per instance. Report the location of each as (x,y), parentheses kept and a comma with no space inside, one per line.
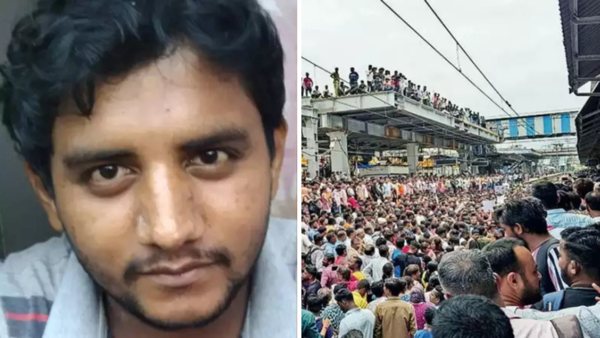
(22,220)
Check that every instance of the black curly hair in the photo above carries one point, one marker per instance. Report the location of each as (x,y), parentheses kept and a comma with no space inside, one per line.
(63,49)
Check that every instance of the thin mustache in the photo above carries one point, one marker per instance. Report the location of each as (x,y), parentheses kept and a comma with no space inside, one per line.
(135,268)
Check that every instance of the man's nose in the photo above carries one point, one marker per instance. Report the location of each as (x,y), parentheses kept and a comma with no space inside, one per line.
(171,218)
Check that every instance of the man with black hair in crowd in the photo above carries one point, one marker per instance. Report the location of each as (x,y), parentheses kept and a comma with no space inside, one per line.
(526,219)
(341,253)
(355,264)
(356,318)
(557,217)
(307,86)
(344,276)
(394,318)
(582,187)
(592,205)
(310,282)
(153,135)
(398,257)
(374,271)
(471,316)
(579,264)
(331,240)
(519,279)
(360,294)
(377,291)
(317,252)
(369,254)
(403,261)
(314,304)
(353,78)
(329,273)
(468,272)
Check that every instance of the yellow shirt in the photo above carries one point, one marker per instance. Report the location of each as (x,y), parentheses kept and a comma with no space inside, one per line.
(359,300)
(359,275)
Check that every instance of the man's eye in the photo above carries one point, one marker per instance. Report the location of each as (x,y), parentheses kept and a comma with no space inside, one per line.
(210,158)
(108,173)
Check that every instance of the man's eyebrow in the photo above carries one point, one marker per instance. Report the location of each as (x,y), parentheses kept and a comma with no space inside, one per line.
(83,157)
(217,138)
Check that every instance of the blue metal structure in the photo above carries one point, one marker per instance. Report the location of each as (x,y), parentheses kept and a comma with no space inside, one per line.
(536,125)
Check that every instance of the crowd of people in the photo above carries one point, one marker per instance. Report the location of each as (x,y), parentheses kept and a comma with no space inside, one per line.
(422,256)
(381,79)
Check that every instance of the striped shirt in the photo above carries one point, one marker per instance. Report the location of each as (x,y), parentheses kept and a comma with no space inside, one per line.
(553,269)
(559,218)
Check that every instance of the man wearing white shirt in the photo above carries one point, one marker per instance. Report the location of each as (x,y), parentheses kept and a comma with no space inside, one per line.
(370,78)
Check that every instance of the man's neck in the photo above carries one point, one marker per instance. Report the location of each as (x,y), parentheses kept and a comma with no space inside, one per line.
(534,241)
(584,281)
(352,308)
(512,300)
(499,301)
(122,324)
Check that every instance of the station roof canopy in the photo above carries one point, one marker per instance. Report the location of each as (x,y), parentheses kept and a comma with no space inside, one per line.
(588,125)
(581,32)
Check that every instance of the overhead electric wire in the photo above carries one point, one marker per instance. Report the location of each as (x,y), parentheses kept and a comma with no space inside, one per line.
(456,68)
(470,59)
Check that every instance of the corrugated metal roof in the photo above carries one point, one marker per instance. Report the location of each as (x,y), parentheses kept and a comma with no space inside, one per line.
(587,124)
(588,39)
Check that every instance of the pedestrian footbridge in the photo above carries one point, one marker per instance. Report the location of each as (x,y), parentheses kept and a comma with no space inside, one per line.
(390,116)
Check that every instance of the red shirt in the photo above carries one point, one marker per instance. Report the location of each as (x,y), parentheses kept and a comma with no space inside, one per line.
(351,284)
(308,82)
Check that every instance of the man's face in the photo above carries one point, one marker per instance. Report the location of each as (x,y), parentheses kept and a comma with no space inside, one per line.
(530,291)
(165,190)
(508,231)
(362,291)
(342,236)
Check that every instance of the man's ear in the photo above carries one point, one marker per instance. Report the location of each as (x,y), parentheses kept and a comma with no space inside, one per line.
(498,280)
(518,229)
(574,267)
(513,280)
(44,196)
(279,136)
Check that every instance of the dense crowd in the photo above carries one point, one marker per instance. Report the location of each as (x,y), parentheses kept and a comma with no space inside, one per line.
(381,79)
(425,256)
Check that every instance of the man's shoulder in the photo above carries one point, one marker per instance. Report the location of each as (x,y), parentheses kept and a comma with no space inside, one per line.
(35,271)
(367,314)
(282,237)
(29,282)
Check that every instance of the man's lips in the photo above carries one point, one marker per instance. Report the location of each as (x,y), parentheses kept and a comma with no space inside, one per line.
(178,275)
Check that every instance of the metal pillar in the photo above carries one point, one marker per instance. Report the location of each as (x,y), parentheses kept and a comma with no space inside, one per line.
(412,157)
(311,152)
(338,142)
(465,159)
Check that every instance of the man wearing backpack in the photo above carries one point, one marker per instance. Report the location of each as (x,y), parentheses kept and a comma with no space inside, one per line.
(316,253)
(526,219)
(580,268)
